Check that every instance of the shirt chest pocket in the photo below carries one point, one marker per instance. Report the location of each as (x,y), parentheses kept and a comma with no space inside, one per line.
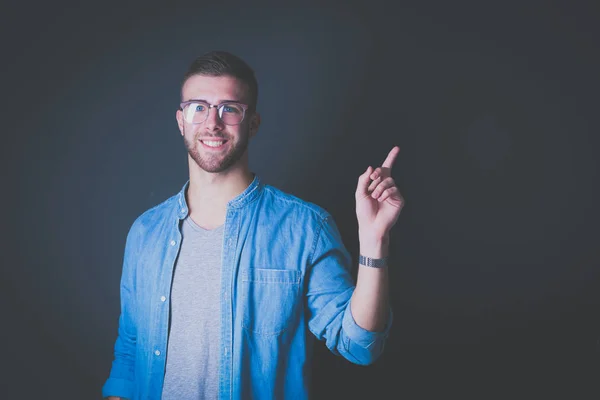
(271,297)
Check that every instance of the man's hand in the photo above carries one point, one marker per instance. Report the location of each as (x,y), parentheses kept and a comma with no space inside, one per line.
(378,200)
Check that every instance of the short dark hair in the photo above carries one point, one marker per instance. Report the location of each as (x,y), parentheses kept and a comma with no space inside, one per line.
(222,63)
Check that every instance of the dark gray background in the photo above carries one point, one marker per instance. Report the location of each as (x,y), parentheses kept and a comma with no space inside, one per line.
(494,273)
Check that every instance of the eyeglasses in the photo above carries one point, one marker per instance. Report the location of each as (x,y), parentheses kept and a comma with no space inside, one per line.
(196,111)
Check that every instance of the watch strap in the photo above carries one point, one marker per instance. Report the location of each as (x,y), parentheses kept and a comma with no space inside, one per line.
(372,262)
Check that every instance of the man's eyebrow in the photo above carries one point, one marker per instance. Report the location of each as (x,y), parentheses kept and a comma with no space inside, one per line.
(220,101)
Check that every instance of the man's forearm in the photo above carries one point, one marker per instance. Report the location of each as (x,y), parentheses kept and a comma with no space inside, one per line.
(370,303)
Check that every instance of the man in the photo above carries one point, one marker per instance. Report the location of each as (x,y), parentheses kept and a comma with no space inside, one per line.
(226,284)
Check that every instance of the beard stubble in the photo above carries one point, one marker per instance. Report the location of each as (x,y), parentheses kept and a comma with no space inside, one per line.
(217,162)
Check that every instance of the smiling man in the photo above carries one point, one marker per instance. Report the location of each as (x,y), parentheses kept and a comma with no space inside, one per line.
(226,284)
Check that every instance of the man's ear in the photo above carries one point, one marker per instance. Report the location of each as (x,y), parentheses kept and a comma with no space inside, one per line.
(254,123)
(179,118)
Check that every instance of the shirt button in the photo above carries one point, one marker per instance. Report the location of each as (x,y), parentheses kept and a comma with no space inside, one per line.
(225,351)
(172,243)
(183,210)
(163,298)
(157,353)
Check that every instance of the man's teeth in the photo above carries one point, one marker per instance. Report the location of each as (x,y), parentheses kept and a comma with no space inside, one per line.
(212,143)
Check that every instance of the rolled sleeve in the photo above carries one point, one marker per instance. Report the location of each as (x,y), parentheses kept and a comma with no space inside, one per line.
(363,346)
(123,388)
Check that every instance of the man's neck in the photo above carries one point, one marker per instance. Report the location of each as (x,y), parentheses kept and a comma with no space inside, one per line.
(210,192)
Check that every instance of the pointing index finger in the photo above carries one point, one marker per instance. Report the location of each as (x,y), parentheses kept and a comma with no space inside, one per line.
(391,158)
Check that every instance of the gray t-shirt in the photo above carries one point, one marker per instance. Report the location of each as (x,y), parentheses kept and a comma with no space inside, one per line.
(192,370)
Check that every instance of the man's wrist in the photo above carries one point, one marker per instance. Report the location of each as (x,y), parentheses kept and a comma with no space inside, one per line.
(372,262)
(374,247)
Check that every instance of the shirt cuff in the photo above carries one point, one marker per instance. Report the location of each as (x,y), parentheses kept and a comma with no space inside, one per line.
(118,387)
(361,336)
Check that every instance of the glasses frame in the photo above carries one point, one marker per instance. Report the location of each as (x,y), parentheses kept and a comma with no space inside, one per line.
(217,106)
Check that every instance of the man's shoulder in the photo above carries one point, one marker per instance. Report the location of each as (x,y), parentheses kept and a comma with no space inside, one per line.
(287,202)
(156,213)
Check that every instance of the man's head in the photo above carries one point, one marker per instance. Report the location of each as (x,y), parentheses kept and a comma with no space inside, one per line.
(213,79)
(222,63)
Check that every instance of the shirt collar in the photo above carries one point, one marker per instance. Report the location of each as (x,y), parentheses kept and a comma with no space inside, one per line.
(244,198)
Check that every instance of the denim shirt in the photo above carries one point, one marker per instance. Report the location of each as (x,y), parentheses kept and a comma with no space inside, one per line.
(285,280)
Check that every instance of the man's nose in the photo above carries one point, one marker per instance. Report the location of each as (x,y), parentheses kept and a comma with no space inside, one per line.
(213,121)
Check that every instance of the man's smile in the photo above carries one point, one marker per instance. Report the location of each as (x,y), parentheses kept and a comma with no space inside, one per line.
(213,144)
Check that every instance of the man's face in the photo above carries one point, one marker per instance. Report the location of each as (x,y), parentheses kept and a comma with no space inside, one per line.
(216,90)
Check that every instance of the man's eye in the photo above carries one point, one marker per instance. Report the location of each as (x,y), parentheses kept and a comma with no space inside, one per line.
(232,109)
(199,107)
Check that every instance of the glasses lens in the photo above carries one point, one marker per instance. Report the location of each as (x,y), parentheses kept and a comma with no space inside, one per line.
(195,113)
(231,113)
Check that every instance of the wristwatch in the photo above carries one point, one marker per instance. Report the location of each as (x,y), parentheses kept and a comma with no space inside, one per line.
(372,262)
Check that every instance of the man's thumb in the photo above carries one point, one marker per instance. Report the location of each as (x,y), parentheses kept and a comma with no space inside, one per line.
(363,182)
